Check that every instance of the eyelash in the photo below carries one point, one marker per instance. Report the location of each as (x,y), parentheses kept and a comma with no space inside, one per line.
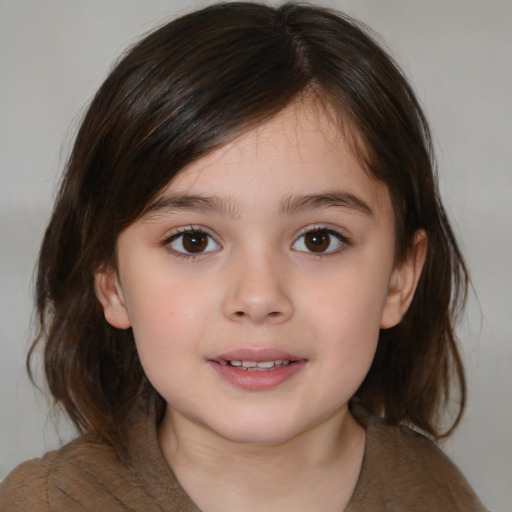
(343,240)
(189,231)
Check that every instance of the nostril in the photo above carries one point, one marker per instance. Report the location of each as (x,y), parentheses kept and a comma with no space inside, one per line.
(272,314)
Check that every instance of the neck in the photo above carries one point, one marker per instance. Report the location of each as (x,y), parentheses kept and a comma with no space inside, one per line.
(317,469)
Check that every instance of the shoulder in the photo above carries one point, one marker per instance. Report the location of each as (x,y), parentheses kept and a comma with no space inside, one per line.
(25,489)
(403,470)
(76,477)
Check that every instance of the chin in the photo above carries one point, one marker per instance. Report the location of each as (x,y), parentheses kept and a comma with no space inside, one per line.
(258,432)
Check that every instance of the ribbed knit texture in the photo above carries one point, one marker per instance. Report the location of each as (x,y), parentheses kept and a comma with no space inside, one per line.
(402,472)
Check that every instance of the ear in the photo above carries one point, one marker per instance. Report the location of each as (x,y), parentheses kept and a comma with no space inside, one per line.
(110,294)
(403,282)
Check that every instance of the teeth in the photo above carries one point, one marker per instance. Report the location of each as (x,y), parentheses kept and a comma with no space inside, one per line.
(266,364)
(257,365)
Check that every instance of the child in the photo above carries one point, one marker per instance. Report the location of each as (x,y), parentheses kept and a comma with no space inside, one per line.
(248,285)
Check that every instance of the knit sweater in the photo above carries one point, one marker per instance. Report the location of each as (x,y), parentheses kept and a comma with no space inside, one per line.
(402,471)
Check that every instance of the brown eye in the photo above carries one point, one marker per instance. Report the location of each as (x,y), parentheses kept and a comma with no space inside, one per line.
(317,241)
(193,242)
(320,241)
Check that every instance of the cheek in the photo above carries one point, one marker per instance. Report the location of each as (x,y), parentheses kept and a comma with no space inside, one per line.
(351,333)
(346,310)
(166,337)
(167,320)
(350,301)
(349,338)
(162,303)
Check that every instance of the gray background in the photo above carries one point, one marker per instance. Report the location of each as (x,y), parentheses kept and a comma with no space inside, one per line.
(458,54)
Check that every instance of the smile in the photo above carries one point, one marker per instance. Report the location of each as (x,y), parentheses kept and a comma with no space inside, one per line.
(257,370)
(256,366)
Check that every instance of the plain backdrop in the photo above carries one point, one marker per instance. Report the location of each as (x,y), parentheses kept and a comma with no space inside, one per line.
(458,54)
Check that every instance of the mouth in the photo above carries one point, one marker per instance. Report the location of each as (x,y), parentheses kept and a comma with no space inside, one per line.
(257,366)
(266,359)
(257,370)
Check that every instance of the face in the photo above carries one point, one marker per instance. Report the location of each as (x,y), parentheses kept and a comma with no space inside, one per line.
(258,281)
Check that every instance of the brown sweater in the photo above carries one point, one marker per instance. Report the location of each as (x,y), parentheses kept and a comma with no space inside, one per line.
(402,472)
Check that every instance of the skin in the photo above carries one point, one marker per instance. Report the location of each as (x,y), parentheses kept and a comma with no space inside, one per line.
(256,283)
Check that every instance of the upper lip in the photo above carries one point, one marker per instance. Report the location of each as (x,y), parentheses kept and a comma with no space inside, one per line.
(257,355)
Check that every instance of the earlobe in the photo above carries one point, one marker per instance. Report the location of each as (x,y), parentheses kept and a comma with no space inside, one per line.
(403,282)
(110,294)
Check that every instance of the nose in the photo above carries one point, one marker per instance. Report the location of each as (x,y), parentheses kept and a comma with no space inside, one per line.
(257,291)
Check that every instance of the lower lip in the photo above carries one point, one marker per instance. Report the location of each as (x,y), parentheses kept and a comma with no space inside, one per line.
(257,380)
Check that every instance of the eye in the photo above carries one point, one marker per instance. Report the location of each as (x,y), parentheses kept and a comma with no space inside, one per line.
(320,241)
(191,241)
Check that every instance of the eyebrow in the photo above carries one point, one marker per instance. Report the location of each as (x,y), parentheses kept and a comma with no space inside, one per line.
(204,204)
(302,202)
(289,206)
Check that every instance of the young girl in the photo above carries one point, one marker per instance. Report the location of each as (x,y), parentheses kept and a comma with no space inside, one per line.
(247,288)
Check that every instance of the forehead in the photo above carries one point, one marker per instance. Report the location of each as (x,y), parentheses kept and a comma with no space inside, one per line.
(300,151)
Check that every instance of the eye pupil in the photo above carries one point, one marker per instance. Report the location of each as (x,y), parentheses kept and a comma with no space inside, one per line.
(195,242)
(317,241)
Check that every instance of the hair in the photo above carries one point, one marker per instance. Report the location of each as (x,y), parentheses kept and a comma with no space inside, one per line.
(187,88)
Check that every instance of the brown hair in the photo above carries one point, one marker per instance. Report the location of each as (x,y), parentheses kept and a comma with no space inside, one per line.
(187,88)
